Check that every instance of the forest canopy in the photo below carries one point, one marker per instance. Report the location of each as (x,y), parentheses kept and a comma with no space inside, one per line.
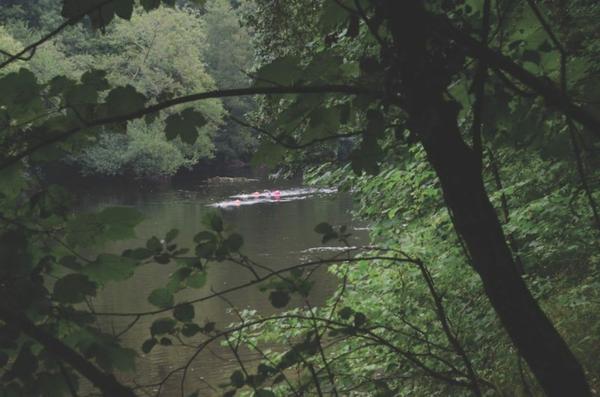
(467,131)
(154,53)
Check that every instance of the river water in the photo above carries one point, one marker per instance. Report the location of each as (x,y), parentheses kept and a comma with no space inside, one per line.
(278,232)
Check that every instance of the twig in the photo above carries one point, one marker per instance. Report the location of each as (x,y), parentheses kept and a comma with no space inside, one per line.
(33,46)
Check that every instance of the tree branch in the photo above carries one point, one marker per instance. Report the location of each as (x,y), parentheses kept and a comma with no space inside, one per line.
(321,89)
(107,383)
(277,139)
(254,282)
(542,86)
(33,46)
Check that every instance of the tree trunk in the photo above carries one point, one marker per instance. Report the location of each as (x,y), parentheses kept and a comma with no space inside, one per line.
(419,64)
(547,354)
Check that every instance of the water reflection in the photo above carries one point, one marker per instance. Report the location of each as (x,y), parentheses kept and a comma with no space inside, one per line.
(277,234)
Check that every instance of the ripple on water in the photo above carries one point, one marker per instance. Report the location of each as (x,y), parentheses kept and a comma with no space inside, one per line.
(272,196)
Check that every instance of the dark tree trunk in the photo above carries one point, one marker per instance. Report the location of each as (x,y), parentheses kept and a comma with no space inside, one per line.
(476,220)
(420,70)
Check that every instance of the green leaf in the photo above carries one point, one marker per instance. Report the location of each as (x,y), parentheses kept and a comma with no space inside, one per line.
(124,101)
(323,122)
(95,79)
(115,357)
(279,298)
(20,94)
(185,125)
(12,181)
(161,297)
(162,326)
(19,87)
(238,379)
(209,327)
(184,313)
(281,71)
(59,85)
(345,313)
(123,8)
(206,250)
(359,319)
(332,15)
(196,280)
(324,228)
(204,236)
(163,259)
(24,366)
(190,330)
(176,279)
(268,154)
(154,244)
(150,4)
(531,56)
(171,235)
(214,221)
(234,242)
(138,253)
(75,8)
(148,345)
(109,267)
(120,222)
(81,94)
(367,157)
(324,67)
(329,236)
(73,288)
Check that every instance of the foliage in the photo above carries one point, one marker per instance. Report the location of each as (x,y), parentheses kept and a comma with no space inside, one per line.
(229,56)
(144,53)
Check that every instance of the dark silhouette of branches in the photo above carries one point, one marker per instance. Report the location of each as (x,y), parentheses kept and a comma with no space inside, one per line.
(103,381)
(371,332)
(543,87)
(235,92)
(277,273)
(292,145)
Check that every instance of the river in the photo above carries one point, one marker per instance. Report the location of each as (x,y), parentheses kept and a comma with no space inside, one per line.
(278,232)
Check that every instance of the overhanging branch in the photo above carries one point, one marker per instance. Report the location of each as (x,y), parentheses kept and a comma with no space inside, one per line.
(235,92)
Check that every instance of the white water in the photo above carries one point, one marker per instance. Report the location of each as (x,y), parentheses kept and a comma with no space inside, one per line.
(272,196)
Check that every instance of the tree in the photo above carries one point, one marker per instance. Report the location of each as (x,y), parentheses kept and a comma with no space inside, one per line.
(229,57)
(141,53)
(137,53)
